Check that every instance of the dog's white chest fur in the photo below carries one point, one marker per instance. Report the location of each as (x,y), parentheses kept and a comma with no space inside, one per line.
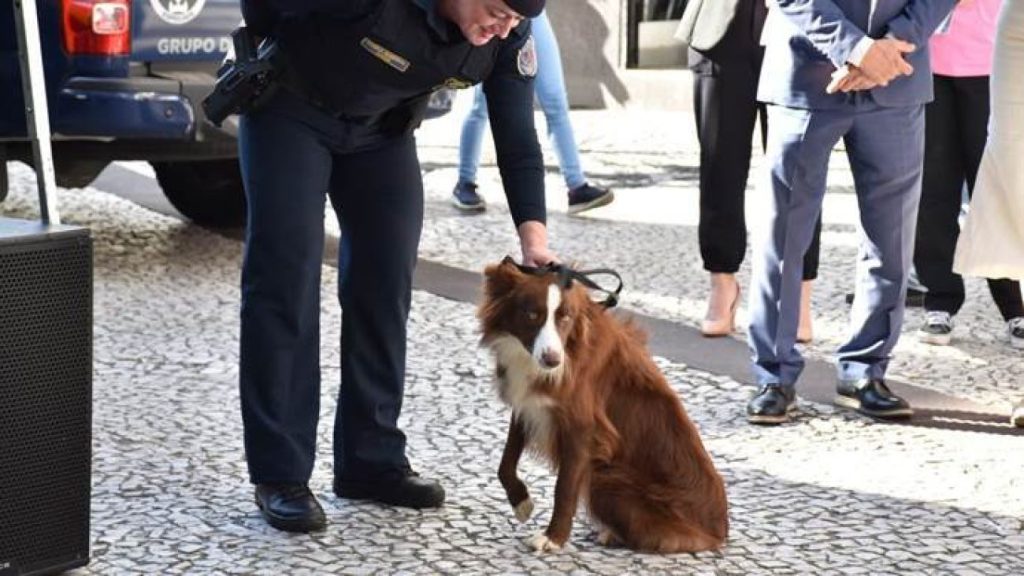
(517,371)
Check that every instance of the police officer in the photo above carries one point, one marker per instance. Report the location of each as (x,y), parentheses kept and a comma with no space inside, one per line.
(357,78)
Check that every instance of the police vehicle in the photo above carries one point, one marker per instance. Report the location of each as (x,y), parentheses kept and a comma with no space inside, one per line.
(124,81)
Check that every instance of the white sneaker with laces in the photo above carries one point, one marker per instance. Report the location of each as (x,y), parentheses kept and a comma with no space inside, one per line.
(937,328)
(1015,332)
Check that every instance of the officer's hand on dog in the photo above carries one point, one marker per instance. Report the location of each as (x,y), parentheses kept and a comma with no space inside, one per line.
(533,239)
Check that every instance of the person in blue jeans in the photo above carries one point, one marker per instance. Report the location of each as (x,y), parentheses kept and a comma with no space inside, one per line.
(549,86)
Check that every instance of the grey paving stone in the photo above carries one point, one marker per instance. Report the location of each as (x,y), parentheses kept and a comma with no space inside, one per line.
(826,493)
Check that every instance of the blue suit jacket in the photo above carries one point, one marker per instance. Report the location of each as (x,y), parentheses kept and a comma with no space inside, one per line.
(807,40)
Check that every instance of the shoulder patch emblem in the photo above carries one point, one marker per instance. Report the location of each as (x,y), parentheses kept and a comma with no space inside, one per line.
(385,55)
(527,60)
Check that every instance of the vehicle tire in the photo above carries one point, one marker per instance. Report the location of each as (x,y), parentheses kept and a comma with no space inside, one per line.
(207,192)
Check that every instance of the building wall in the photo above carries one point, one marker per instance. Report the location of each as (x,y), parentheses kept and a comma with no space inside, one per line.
(592,38)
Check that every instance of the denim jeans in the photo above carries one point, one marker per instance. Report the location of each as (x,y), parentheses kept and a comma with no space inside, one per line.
(549,86)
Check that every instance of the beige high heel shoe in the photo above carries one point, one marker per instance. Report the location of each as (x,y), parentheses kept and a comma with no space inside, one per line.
(714,324)
(1017,416)
(805,331)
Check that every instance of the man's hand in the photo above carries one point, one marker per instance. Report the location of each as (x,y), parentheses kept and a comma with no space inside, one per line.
(884,60)
(533,239)
(849,78)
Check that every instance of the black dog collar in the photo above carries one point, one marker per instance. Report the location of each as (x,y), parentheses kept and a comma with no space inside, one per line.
(567,275)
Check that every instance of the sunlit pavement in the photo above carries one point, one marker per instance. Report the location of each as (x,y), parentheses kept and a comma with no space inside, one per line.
(830,493)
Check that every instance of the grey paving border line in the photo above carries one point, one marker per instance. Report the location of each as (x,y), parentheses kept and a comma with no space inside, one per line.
(729,357)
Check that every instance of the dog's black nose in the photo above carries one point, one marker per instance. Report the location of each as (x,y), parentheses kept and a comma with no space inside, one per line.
(551,358)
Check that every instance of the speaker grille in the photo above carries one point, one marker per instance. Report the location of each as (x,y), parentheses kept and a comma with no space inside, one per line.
(45,402)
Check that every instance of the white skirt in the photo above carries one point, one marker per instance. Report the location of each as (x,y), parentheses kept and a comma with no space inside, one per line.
(991,244)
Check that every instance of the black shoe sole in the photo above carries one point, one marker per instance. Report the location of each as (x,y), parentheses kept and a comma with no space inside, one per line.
(468,207)
(297,525)
(854,404)
(595,203)
(772,418)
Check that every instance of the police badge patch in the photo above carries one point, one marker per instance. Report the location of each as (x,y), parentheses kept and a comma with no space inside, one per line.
(527,61)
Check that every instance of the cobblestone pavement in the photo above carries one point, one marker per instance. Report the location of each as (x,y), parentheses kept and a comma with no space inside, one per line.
(832,493)
(650,236)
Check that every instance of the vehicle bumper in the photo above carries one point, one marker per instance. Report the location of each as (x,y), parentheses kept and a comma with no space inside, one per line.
(135,118)
(123,108)
(136,108)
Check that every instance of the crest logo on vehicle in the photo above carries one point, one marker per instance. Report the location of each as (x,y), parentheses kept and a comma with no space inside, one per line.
(177,11)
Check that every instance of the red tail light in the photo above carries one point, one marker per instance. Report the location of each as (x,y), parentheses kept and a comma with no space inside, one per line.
(95,27)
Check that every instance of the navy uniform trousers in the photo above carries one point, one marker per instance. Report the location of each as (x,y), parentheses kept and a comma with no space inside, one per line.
(294,156)
(885,147)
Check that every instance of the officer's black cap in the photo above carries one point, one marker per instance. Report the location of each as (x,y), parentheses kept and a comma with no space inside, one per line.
(526,8)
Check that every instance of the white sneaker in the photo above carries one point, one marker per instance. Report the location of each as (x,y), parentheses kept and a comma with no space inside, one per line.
(1015,332)
(937,328)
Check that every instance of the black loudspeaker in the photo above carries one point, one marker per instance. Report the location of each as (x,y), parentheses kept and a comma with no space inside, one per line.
(45,397)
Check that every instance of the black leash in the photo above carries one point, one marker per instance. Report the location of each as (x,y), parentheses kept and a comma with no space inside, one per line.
(567,275)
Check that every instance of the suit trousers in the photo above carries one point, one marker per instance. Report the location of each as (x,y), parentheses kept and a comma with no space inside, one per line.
(293,156)
(726,109)
(955,131)
(886,166)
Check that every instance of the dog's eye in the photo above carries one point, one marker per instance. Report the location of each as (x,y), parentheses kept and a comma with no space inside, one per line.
(532,315)
(564,320)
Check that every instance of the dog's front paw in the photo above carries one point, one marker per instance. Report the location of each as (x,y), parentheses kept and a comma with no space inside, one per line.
(524,510)
(541,543)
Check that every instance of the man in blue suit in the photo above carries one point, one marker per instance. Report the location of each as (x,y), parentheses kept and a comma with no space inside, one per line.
(856,70)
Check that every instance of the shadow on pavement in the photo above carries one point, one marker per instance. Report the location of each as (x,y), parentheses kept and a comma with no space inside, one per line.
(729,356)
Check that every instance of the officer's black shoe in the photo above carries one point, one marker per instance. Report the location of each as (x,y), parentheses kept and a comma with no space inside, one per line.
(402,488)
(870,396)
(290,507)
(587,196)
(771,405)
(466,198)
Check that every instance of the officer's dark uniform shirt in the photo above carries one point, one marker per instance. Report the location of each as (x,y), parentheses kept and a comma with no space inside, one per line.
(374,63)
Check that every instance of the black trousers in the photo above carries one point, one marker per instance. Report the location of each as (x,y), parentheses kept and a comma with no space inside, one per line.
(725,106)
(956,127)
(293,156)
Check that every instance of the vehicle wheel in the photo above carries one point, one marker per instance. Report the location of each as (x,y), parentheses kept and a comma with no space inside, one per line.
(207,192)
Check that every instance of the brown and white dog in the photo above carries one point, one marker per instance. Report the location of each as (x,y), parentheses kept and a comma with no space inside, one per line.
(586,395)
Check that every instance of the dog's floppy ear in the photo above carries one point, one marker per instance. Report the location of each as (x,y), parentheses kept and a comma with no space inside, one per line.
(500,278)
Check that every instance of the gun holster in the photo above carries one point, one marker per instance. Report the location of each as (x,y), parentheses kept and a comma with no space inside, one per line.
(247,81)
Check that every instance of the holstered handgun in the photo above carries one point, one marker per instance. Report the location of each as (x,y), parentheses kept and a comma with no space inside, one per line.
(248,80)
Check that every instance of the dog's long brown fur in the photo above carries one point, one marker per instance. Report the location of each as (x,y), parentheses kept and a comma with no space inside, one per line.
(617,434)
